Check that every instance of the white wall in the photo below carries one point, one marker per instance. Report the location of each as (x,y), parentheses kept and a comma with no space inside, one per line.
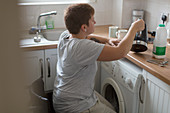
(29,14)
(153,9)
(116,12)
(122,12)
(128,6)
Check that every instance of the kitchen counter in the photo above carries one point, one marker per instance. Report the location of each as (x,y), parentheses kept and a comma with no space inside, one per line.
(140,59)
(163,73)
(30,45)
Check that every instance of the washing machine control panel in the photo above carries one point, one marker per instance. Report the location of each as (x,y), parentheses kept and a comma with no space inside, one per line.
(126,78)
(128,81)
(125,74)
(114,68)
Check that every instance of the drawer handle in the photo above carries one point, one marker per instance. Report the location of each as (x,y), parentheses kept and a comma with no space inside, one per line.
(49,72)
(41,63)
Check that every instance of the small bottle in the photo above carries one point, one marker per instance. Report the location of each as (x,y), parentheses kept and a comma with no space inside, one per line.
(160,42)
(49,23)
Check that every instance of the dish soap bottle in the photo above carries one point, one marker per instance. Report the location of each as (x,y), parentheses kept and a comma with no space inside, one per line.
(160,41)
(49,22)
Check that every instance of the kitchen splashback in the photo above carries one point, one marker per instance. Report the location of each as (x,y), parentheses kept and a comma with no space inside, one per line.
(29,14)
(153,9)
(115,12)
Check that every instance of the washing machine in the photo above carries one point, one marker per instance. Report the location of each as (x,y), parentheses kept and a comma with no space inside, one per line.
(122,85)
(97,80)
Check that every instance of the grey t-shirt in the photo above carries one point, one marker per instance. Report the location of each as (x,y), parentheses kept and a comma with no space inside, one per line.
(76,70)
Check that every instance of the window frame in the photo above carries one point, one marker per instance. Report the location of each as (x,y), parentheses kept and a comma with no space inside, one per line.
(52,2)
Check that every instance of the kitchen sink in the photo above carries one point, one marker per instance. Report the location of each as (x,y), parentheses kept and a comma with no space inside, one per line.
(31,41)
(48,37)
(52,35)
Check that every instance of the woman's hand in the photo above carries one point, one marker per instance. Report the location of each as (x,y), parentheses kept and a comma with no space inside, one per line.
(113,42)
(139,25)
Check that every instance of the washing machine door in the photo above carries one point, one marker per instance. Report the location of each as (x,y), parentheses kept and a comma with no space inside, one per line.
(111,91)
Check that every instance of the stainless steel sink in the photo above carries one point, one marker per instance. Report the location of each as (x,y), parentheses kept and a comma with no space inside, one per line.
(52,35)
(32,42)
(47,37)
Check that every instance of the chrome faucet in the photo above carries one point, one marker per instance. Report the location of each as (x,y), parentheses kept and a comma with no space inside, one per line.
(38,38)
(44,14)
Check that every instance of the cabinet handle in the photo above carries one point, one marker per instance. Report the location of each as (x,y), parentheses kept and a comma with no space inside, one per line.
(49,72)
(140,89)
(41,62)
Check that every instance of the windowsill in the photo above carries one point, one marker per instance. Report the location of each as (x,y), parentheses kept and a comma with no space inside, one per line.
(49,3)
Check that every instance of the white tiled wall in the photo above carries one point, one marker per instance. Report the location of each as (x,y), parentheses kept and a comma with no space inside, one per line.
(153,9)
(116,12)
(29,14)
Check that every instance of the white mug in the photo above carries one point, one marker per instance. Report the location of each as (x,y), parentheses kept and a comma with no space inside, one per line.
(121,34)
(168,33)
(112,31)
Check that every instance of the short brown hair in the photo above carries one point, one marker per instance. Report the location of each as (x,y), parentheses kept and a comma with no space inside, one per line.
(76,15)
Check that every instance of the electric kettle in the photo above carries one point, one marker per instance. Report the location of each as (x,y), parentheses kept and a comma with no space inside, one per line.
(140,41)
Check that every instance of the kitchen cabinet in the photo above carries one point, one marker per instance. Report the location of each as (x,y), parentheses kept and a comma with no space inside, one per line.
(157,96)
(50,62)
(41,63)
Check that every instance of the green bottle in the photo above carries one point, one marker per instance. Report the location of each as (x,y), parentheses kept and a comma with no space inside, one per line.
(49,22)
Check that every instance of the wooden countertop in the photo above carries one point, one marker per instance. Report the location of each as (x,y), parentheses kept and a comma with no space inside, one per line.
(140,59)
(39,47)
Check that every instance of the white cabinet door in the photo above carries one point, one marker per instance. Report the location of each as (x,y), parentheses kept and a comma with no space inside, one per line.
(157,96)
(50,67)
(34,65)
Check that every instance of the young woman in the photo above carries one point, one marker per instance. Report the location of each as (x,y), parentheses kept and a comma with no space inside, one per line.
(77,61)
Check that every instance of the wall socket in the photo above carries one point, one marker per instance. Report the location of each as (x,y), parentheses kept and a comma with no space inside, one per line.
(167,17)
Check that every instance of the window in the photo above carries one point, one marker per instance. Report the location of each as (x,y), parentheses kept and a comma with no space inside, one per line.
(45,2)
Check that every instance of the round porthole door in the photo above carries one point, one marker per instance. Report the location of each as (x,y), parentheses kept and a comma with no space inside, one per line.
(112,93)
